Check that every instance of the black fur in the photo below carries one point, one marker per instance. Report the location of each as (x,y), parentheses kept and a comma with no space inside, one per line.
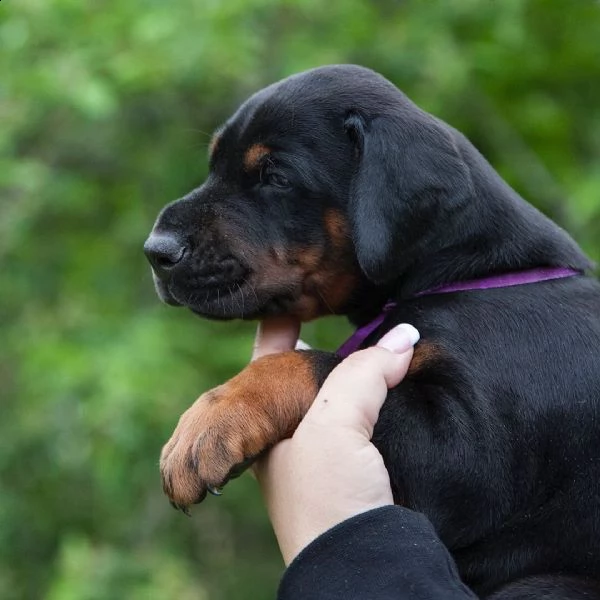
(496,438)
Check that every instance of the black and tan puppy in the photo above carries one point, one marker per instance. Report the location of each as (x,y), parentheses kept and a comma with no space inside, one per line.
(331,192)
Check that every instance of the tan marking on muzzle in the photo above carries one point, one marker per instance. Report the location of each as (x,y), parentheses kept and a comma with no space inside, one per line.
(337,229)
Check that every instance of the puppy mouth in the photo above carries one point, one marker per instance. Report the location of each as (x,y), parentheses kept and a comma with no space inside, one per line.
(277,284)
(162,290)
(229,300)
(225,298)
(232,299)
(242,300)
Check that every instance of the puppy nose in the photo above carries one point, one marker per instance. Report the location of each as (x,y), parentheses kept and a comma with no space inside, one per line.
(164,251)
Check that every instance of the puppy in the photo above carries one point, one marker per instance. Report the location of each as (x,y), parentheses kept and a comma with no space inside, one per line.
(331,192)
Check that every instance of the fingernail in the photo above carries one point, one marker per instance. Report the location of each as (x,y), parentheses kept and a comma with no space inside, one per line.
(400,339)
(302,345)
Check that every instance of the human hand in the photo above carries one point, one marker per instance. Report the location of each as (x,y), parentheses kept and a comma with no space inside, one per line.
(329,470)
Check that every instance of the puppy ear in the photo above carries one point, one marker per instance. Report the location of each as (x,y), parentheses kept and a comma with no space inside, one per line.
(409,178)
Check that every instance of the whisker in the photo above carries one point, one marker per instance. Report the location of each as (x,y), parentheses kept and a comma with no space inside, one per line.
(242,298)
(246,282)
(231,295)
(325,302)
(207,134)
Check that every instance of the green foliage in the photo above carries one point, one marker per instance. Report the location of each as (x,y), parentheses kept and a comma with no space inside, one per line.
(106,111)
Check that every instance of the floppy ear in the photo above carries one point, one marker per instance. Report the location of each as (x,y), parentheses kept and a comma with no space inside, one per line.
(409,178)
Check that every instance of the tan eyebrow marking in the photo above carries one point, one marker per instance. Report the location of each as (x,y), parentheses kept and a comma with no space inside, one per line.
(214,143)
(253,156)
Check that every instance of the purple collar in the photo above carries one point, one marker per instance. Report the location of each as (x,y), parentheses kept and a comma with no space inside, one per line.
(504,280)
(354,342)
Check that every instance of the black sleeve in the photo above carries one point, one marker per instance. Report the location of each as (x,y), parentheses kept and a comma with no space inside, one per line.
(389,553)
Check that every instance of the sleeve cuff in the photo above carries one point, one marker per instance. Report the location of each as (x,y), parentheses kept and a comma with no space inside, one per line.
(388,552)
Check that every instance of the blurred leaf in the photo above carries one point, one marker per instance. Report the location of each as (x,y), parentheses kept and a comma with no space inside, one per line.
(107,109)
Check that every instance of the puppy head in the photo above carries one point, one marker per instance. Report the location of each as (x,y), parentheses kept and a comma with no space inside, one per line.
(320,186)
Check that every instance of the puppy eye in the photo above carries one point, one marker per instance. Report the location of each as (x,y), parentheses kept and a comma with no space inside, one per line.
(270,175)
(276,180)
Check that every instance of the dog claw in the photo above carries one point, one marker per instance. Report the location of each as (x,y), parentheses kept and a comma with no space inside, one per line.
(184,509)
(215,490)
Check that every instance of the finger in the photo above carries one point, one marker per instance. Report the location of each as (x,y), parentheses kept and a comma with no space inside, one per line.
(354,392)
(275,334)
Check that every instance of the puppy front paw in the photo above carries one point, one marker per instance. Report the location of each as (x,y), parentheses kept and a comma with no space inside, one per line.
(227,428)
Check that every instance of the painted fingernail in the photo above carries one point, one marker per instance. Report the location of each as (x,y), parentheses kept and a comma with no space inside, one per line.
(400,339)
(301,345)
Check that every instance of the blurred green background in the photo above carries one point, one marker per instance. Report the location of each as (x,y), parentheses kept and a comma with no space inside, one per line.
(106,109)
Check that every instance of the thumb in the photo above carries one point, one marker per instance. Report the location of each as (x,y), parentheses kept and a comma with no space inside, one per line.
(356,389)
